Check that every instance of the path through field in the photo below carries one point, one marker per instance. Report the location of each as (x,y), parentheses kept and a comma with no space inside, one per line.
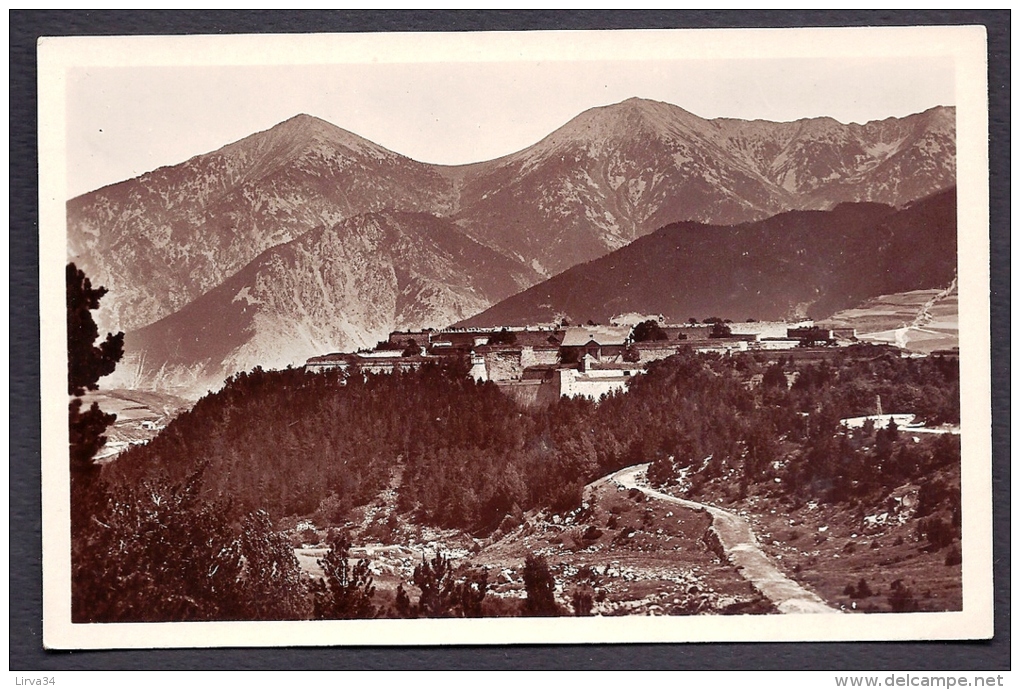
(741,549)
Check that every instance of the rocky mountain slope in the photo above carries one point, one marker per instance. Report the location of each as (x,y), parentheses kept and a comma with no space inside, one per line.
(823,162)
(615,173)
(174,237)
(606,177)
(792,265)
(161,240)
(336,288)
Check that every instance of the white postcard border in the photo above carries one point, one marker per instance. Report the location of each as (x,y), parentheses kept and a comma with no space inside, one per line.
(965,45)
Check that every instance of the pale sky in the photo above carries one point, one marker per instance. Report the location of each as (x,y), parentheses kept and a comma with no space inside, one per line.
(125,121)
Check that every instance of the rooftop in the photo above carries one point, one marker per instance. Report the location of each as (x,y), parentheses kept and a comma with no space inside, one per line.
(578,336)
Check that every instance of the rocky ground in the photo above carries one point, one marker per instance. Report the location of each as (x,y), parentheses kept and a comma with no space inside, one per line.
(635,555)
(871,562)
(864,558)
(630,554)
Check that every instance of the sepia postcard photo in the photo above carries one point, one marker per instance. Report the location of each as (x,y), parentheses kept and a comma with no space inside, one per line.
(501,338)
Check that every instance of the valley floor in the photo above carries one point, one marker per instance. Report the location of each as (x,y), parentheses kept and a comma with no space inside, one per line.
(141,415)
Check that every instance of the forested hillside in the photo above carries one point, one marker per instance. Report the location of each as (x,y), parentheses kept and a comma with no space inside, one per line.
(192,519)
(289,442)
(793,265)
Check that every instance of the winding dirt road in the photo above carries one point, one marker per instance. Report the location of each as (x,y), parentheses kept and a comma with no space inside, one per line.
(741,548)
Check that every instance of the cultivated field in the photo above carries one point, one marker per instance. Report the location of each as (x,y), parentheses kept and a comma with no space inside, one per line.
(140,416)
(920,320)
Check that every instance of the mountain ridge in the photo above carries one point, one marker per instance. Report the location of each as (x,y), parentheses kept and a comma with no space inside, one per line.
(162,239)
(339,287)
(610,175)
(793,265)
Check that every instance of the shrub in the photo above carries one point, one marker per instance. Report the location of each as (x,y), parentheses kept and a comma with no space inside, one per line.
(648,331)
(861,591)
(901,599)
(954,556)
(540,587)
(583,600)
(938,532)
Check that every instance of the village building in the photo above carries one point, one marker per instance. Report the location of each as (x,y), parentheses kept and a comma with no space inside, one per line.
(593,379)
(811,335)
(536,365)
(375,362)
(769,329)
(651,350)
(776,344)
(599,342)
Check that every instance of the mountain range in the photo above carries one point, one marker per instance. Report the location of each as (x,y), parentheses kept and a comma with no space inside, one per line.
(349,283)
(327,240)
(794,265)
(615,173)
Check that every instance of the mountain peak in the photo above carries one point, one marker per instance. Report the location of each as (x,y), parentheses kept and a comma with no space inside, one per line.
(307,124)
(297,137)
(303,129)
(642,113)
(621,121)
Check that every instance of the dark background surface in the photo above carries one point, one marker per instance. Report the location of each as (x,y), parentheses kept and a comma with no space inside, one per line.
(26,651)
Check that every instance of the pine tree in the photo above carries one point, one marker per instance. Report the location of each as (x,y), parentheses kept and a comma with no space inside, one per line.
(471,593)
(438,593)
(348,591)
(270,585)
(86,364)
(403,607)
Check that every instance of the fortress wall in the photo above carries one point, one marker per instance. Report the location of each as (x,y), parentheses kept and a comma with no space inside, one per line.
(651,353)
(504,365)
(530,393)
(531,356)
